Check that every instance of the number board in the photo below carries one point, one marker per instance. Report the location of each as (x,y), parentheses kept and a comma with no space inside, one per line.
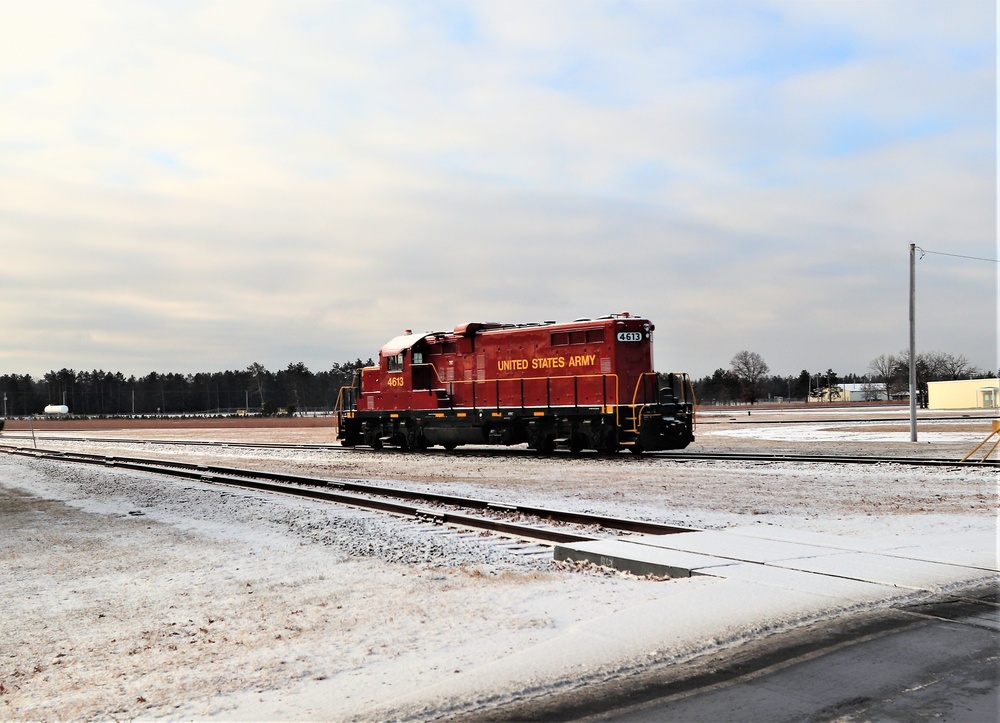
(629,336)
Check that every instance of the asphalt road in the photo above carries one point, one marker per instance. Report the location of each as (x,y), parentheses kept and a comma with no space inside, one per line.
(937,661)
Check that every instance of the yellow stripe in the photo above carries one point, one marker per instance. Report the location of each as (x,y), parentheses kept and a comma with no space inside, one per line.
(497,414)
(539,414)
(460,414)
(393,416)
(438,414)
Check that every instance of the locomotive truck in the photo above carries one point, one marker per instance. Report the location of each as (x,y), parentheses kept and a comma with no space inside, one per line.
(588,384)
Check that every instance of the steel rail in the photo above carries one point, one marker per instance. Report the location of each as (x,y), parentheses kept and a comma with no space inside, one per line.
(736,419)
(354,493)
(178,442)
(827,458)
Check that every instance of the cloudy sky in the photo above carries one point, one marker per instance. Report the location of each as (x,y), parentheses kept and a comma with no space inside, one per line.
(195,186)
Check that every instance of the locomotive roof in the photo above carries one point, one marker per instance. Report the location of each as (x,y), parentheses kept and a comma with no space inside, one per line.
(409,340)
(400,343)
(466,329)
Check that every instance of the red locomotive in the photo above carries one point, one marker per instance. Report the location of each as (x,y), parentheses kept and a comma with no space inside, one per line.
(588,384)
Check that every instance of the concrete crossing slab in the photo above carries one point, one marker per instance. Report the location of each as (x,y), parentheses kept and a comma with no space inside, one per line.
(822,564)
(984,559)
(895,571)
(638,558)
(819,539)
(737,547)
(972,548)
(796,580)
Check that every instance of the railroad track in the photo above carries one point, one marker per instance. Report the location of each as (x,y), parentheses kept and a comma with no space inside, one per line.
(828,458)
(176,442)
(736,418)
(685,456)
(549,526)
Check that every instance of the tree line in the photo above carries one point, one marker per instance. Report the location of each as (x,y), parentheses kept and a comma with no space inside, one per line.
(747,379)
(255,390)
(297,389)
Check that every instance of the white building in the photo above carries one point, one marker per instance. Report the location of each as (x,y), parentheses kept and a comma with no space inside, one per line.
(866,392)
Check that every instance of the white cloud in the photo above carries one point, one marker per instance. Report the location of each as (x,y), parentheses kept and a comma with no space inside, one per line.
(196,186)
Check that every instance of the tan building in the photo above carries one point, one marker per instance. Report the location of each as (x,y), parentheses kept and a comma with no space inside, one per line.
(964,394)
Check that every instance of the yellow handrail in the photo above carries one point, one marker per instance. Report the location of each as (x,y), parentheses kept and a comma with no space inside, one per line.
(444,384)
(686,388)
(339,406)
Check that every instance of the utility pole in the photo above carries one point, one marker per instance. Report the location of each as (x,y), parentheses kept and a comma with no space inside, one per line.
(913,343)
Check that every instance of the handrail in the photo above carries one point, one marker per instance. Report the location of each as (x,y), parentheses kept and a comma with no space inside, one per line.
(638,384)
(428,364)
(448,385)
(687,390)
(637,413)
(340,405)
(694,403)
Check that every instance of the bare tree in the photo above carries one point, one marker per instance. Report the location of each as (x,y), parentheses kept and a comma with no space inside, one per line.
(257,370)
(945,366)
(884,368)
(925,373)
(872,391)
(749,367)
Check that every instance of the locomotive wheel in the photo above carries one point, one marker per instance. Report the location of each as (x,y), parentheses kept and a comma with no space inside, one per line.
(547,444)
(610,443)
(449,446)
(376,443)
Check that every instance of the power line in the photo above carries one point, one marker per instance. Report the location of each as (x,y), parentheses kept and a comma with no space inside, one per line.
(957,256)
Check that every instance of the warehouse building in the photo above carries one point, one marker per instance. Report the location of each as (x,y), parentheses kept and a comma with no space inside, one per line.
(964,394)
(867,392)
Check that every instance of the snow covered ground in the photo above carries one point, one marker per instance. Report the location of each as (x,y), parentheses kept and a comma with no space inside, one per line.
(127,595)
